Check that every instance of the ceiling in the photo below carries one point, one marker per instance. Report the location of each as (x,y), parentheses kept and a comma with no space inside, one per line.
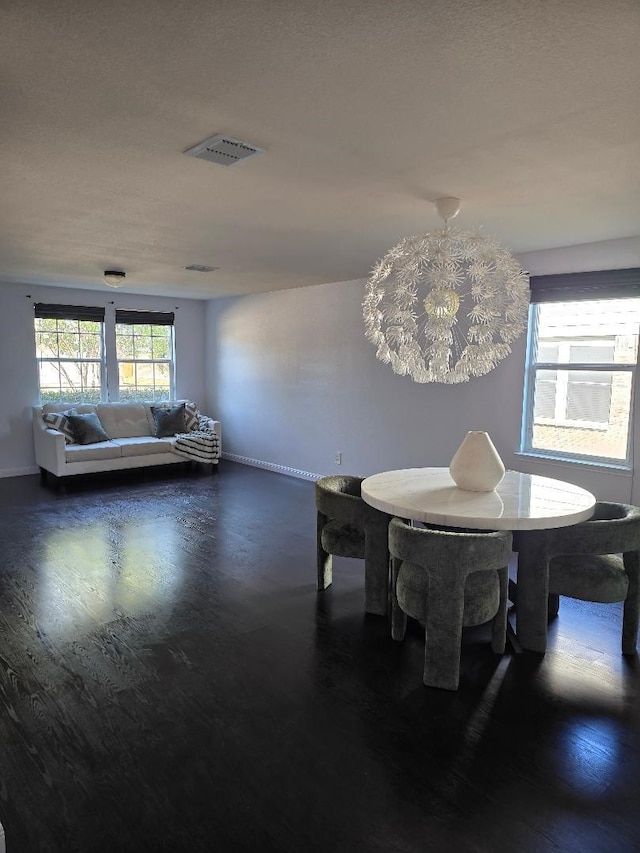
(367,110)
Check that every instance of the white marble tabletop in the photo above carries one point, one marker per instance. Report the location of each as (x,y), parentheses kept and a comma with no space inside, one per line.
(519,502)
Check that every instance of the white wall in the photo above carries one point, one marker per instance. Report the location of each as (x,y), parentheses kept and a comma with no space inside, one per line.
(293,380)
(19,376)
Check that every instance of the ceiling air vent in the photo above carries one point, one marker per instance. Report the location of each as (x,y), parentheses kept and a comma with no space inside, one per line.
(201,268)
(223,149)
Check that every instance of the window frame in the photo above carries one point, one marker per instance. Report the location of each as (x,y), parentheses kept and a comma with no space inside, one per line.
(79,314)
(131,318)
(574,287)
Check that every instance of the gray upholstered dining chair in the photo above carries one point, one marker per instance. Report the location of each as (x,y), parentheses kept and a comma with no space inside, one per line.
(599,560)
(340,522)
(448,579)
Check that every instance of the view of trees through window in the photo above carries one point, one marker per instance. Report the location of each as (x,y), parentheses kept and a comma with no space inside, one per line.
(83,359)
(145,361)
(69,354)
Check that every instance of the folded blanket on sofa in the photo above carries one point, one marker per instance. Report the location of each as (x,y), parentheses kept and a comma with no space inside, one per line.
(201,445)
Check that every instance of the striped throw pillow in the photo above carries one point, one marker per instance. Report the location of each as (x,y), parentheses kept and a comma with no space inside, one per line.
(191,417)
(60,421)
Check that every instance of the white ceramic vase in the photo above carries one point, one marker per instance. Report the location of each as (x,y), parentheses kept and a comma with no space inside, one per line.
(476,465)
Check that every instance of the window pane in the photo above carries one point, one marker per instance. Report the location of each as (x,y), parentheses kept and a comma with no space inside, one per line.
(161,344)
(592,353)
(124,342)
(46,345)
(162,376)
(142,346)
(67,326)
(545,394)
(548,352)
(90,346)
(604,409)
(127,371)
(144,375)
(589,396)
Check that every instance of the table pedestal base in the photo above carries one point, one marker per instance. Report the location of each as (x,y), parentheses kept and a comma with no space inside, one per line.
(532,589)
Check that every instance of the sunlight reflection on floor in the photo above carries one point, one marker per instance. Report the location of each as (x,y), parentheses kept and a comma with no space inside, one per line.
(96,574)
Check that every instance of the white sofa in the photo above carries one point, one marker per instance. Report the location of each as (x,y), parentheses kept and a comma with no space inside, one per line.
(132,444)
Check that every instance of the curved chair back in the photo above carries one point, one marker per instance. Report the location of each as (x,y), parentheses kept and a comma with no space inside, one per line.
(338,497)
(448,579)
(584,563)
(612,529)
(455,552)
(340,522)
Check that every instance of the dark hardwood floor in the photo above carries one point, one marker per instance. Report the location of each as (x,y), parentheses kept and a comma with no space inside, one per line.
(171,681)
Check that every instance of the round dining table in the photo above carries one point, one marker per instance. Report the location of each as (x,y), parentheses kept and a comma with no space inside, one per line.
(526,504)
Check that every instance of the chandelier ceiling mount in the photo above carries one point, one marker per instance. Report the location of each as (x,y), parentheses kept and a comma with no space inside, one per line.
(448,208)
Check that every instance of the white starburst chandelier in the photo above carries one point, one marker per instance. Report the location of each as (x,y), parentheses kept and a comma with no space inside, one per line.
(445,306)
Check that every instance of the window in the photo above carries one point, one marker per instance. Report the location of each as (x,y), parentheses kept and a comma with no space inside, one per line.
(581,365)
(75,346)
(144,349)
(70,353)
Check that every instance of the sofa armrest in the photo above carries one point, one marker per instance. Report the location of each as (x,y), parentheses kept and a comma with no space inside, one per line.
(49,445)
(209,423)
(216,426)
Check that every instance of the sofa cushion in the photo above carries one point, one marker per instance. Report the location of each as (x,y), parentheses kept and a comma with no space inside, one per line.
(87,428)
(168,421)
(89,452)
(59,421)
(123,420)
(143,445)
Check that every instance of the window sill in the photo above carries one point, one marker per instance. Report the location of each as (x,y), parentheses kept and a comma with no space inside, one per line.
(621,469)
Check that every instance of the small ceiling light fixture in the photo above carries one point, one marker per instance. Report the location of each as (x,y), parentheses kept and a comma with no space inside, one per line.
(446,305)
(114,278)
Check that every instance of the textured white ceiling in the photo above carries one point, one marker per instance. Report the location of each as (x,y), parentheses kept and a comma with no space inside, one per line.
(367,110)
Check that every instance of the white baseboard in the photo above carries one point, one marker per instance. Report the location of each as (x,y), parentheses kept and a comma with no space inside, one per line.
(19,472)
(270,466)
